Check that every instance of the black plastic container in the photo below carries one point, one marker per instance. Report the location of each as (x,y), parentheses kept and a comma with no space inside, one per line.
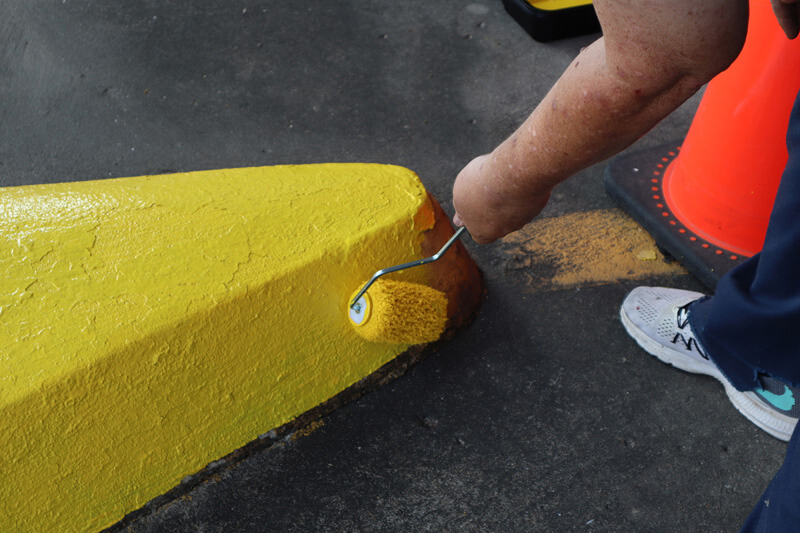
(546,25)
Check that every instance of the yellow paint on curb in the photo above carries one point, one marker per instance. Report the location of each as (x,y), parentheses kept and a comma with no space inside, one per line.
(152,325)
(590,248)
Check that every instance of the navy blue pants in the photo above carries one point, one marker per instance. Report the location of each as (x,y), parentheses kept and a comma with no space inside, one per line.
(778,510)
(752,325)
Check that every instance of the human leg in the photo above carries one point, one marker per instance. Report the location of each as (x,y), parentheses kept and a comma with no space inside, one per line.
(659,320)
(751,326)
(778,509)
(747,336)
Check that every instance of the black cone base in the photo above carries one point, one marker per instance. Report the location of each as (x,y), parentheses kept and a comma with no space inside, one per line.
(635,182)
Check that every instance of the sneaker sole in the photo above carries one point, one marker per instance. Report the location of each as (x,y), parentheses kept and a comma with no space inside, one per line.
(747,403)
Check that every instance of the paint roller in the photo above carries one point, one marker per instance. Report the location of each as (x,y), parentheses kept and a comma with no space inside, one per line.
(401,312)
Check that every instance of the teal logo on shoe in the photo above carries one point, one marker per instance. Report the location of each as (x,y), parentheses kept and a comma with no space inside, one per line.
(784,401)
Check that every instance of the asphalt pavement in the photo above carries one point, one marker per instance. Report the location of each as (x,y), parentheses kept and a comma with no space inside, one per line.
(542,415)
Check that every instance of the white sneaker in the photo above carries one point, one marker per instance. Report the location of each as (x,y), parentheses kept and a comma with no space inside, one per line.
(658,319)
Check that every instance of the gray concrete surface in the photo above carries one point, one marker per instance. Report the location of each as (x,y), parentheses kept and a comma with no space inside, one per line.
(543,415)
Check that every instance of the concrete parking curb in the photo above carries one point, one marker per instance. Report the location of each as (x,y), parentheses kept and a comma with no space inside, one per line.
(158,323)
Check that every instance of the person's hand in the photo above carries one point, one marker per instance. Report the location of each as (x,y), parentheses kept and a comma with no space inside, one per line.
(488,203)
(788,15)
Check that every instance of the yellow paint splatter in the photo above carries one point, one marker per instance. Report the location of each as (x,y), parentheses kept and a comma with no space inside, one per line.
(647,254)
(591,248)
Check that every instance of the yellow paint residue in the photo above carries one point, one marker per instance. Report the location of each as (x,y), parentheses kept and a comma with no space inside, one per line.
(589,248)
(155,324)
(647,254)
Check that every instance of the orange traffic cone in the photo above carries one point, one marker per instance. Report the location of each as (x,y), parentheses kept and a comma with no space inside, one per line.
(708,202)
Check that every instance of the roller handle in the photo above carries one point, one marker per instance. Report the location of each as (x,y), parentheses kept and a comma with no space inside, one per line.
(418,262)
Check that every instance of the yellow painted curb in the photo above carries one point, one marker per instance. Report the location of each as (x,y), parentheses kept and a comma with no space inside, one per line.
(152,325)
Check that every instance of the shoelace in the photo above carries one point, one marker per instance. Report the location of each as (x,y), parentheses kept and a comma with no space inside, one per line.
(683,315)
(683,320)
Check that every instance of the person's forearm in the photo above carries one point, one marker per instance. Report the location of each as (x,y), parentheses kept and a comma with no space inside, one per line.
(589,115)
